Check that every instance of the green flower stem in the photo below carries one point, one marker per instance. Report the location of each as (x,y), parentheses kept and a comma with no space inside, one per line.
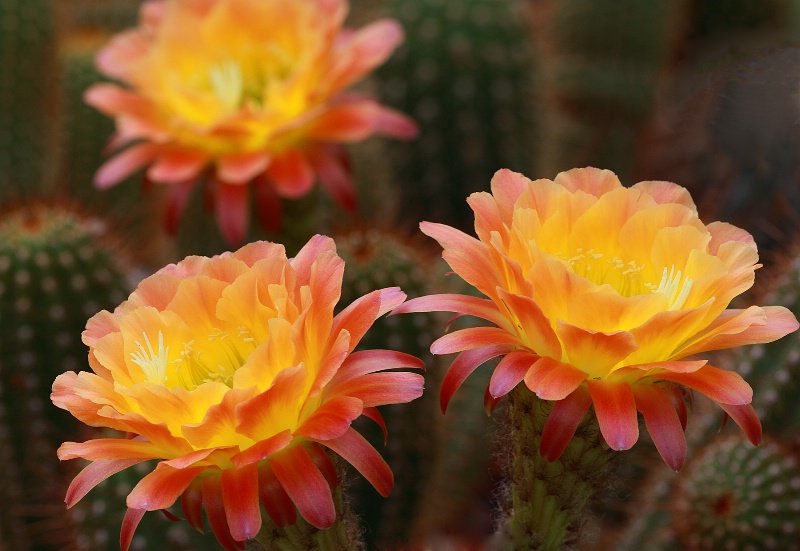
(344,535)
(548,500)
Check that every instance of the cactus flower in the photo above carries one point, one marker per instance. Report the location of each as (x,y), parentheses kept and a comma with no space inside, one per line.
(241,92)
(602,295)
(234,373)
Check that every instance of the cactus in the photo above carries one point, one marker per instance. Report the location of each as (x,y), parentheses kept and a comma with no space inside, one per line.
(600,66)
(465,74)
(54,273)
(736,497)
(29,97)
(423,446)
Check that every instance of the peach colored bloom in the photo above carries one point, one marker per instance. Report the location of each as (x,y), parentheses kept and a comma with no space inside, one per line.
(254,89)
(233,371)
(602,295)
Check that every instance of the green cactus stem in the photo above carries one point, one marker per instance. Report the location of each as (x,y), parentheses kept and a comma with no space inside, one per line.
(738,497)
(29,97)
(547,500)
(55,272)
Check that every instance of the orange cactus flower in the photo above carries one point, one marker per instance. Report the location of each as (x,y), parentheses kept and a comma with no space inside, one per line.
(602,295)
(233,371)
(255,90)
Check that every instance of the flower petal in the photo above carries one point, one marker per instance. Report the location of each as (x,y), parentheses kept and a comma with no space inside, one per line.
(378,389)
(663,423)
(274,498)
(463,366)
(553,380)
(722,386)
(591,180)
(241,168)
(471,338)
(305,485)
(129,524)
(355,449)
(124,164)
(563,422)
(92,475)
(233,211)
(334,174)
(240,499)
(747,419)
(534,327)
(263,449)
(160,488)
(211,489)
(594,351)
(615,407)
(106,449)
(332,418)
(463,304)
(291,174)
(510,372)
(173,167)
(363,362)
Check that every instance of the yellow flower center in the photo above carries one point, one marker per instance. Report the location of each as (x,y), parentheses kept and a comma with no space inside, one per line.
(215,359)
(626,276)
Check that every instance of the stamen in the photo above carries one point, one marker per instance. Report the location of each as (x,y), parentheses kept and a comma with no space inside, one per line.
(152,363)
(227,82)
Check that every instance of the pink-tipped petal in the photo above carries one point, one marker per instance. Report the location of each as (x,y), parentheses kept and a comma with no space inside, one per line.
(562,423)
(594,181)
(332,418)
(747,419)
(263,449)
(233,211)
(129,524)
(510,372)
(364,362)
(305,485)
(215,511)
(779,323)
(375,415)
(463,304)
(360,454)
(462,367)
(274,498)
(108,449)
(174,167)
(553,380)
(367,48)
(177,199)
(192,504)
(291,174)
(722,386)
(663,423)
(395,124)
(534,327)
(240,168)
(240,498)
(334,174)
(615,407)
(124,164)
(378,389)
(92,475)
(471,338)
(162,487)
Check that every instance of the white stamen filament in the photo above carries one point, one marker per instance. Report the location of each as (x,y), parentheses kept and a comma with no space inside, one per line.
(674,288)
(153,364)
(227,82)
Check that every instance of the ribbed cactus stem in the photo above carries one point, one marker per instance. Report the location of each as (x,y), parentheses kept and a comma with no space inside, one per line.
(548,499)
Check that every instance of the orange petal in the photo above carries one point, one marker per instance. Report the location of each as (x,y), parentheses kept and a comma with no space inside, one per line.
(92,475)
(378,389)
(463,366)
(192,505)
(274,410)
(662,423)
(129,524)
(274,498)
(747,419)
(563,422)
(507,186)
(240,499)
(109,449)
(463,304)
(593,181)
(124,164)
(594,351)
(355,449)
(177,166)
(667,192)
(240,168)
(722,232)
(291,174)
(615,407)
(536,331)
(359,316)
(740,327)
(473,337)
(333,173)
(722,386)
(332,418)
(553,380)
(510,372)
(367,48)
(160,488)
(262,450)
(369,361)
(211,490)
(305,485)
